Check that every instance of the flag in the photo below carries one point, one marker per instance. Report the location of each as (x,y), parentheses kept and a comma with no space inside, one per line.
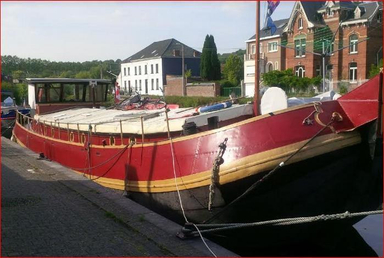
(271,25)
(272,6)
(117,92)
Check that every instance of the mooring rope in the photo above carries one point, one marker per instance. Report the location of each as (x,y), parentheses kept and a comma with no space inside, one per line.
(284,222)
(258,182)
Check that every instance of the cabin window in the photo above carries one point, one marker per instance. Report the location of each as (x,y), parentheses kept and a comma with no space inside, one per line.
(112,140)
(353,72)
(69,92)
(300,71)
(353,39)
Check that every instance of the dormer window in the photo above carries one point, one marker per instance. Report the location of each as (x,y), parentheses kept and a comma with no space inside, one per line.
(196,54)
(329,12)
(300,23)
(176,52)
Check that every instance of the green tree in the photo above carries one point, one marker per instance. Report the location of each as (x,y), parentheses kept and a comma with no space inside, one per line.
(209,62)
(83,75)
(233,69)
(375,69)
(288,81)
(187,74)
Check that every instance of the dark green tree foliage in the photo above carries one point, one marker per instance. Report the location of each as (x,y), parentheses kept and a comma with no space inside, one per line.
(288,81)
(209,62)
(27,67)
(375,69)
(233,69)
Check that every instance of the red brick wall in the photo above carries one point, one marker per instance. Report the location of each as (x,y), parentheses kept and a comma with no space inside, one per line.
(173,87)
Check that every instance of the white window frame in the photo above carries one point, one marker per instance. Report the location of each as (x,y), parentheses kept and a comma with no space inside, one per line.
(352,44)
(274,46)
(300,45)
(300,23)
(276,65)
(125,71)
(354,73)
(157,83)
(253,49)
(297,71)
(329,12)
(129,71)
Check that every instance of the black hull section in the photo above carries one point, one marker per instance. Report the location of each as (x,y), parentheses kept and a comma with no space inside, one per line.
(344,180)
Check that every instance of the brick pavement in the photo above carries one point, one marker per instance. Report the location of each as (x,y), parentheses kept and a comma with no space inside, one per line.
(48,210)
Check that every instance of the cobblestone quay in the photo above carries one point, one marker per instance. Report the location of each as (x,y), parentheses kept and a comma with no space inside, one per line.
(48,210)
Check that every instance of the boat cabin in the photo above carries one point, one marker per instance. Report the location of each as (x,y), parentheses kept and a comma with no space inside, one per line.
(46,95)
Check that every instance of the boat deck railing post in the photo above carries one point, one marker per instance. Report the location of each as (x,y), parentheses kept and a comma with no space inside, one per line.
(142,130)
(78,133)
(68,131)
(58,129)
(121,132)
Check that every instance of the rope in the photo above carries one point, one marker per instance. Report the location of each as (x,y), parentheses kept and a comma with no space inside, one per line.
(286,221)
(257,183)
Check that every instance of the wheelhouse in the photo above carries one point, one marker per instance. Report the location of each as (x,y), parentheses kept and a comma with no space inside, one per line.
(51,94)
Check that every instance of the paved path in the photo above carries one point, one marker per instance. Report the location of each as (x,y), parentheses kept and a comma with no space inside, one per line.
(48,210)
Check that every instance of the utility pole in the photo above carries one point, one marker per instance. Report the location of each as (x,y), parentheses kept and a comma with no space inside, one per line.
(182,71)
(256,101)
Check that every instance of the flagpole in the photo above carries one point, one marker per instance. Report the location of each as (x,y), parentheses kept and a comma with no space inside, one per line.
(256,101)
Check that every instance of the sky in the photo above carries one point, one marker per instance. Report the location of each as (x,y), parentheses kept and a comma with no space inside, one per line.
(85,31)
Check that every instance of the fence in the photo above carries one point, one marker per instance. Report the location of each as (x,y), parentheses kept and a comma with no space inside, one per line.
(228,91)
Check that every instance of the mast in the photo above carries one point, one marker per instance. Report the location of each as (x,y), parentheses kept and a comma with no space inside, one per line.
(256,101)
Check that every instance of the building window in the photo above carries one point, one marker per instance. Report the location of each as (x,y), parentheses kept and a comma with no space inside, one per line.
(152,85)
(318,70)
(129,71)
(129,87)
(125,86)
(125,71)
(157,84)
(135,85)
(329,12)
(276,65)
(300,45)
(157,68)
(145,69)
(300,71)
(140,70)
(253,49)
(353,72)
(272,47)
(139,85)
(353,44)
(151,68)
(269,67)
(135,70)
(261,48)
(300,23)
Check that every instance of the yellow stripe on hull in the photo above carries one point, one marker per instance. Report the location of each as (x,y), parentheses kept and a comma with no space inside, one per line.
(242,168)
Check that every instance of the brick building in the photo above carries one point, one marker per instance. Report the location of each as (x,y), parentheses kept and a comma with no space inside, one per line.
(350,33)
(272,55)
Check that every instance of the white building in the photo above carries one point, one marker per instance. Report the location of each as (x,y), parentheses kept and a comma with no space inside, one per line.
(145,72)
